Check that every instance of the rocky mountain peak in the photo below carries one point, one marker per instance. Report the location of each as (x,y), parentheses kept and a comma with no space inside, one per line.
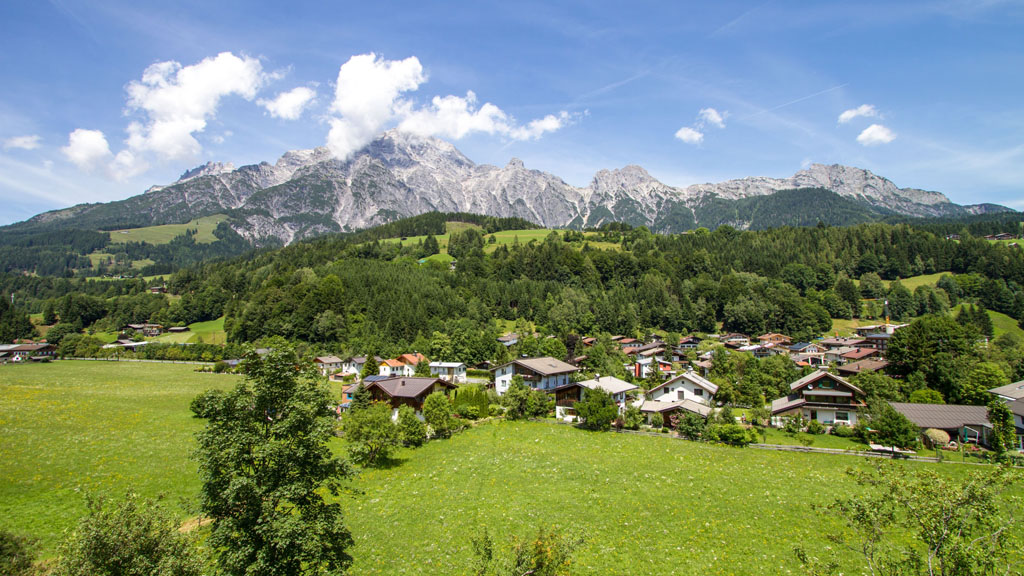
(208,169)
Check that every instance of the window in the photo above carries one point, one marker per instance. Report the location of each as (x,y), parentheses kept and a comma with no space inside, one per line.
(843,416)
(682,394)
(698,391)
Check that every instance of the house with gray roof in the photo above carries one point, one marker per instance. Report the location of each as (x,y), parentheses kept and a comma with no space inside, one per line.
(1010,392)
(409,391)
(820,396)
(687,386)
(544,373)
(566,396)
(963,423)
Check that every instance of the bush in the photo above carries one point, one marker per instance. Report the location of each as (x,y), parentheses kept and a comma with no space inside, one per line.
(437,411)
(862,431)
(206,404)
(468,412)
(15,554)
(597,409)
(843,431)
(815,427)
(794,425)
(632,418)
(495,410)
(936,438)
(664,430)
(411,430)
(370,433)
(129,537)
(691,426)
(733,434)
(471,396)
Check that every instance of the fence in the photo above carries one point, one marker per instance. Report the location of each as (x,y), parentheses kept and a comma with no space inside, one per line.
(143,360)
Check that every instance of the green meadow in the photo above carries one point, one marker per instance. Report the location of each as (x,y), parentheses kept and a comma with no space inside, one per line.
(645,504)
(163,234)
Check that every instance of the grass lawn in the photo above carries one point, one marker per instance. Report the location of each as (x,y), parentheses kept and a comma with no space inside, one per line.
(646,505)
(210,332)
(164,234)
(776,436)
(913,282)
(1001,323)
(72,427)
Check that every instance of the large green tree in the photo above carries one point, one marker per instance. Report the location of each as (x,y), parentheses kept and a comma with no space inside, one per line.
(597,409)
(266,468)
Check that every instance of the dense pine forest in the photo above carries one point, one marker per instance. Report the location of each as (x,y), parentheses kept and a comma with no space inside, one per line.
(367,293)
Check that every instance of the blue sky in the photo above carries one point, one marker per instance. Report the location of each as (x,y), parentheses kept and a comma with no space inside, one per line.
(101,100)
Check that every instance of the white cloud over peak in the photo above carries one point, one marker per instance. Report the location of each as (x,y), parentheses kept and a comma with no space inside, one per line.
(30,142)
(876,134)
(175,103)
(689,135)
(87,149)
(290,105)
(712,117)
(369,98)
(864,110)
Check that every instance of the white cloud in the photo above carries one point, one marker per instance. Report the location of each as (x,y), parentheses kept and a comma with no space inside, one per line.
(711,116)
(689,135)
(876,134)
(289,105)
(537,128)
(87,149)
(864,110)
(30,142)
(178,101)
(369,98)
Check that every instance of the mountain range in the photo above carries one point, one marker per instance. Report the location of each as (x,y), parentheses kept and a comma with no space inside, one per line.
(307,193)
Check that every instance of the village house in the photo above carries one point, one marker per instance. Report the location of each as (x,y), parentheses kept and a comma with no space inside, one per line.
(643,367)
(963,423)
(820,396)
(660,413)
(1010,392)
(147,330)
(838,342)
(775,338)
(544,373)
(568,395)
(355,364)
(394,367)
(327,364)
(27,351)
(878,341)
(406,391)
(861,366)
(686,386)
(412,359)
(837,355)
(454,372)
(690,342)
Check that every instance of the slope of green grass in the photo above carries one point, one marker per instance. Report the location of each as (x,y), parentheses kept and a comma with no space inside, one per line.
(646,505)
(1001,323)
(163,234)
(913,282)
(68,428)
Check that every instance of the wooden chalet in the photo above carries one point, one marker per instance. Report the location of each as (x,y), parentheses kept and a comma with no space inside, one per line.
(821,396)
(408,391)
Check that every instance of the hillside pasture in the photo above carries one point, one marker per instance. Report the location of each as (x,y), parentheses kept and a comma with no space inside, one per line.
(163,234)
(69,428)
(646,504)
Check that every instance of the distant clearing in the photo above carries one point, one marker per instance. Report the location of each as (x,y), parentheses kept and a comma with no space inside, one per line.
(163,234)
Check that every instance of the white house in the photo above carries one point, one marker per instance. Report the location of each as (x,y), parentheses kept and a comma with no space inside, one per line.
(820,396)
(454,372)
(355,364)
(544,373)
(568,395)
(687,386)
(392,367)
(327,364)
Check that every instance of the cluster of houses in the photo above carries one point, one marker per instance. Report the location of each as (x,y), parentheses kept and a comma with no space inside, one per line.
(26,351)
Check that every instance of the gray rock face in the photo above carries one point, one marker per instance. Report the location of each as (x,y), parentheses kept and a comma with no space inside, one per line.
(308,193)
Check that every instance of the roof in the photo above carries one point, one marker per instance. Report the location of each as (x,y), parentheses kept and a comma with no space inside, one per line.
(24,347)
(401,387)
(544,365)
(693,378)
(1015,390)
(362,359)
(787,403)
(868,365)
(412,359)
(447,365)
(835,342)
(1017,407)
(801,345)
(943,416)
(609,384)
(375,378)
(688,405)
(393,363)
(818,375)
(327,360)
(859,353)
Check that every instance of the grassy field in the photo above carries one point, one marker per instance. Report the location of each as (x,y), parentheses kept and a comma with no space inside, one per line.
(1001,323)
(647,505)
(210,332)
(72,427)
(503,238)
(163,234)
(913,282)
